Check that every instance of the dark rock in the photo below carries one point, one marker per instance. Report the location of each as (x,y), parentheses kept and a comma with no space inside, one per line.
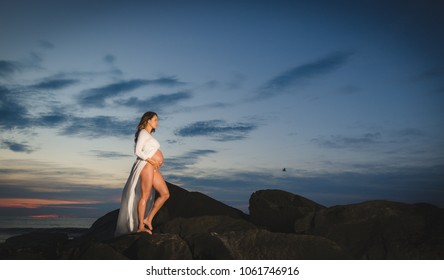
(97,251)
(142,246)
(207,246)
(34,246)
(183,203)
(103,229)
(277,210)
(186,227)
(382,229)
(197,232)
(259,244)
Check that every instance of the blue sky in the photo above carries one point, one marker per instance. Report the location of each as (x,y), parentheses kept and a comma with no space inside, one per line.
(347,96)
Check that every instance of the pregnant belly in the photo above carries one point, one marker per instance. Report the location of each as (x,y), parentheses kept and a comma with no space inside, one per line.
(158,156)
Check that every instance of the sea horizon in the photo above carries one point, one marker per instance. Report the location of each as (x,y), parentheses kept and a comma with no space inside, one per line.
(18,225)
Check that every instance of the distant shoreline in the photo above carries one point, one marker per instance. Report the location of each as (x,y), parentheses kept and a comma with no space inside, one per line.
(72,232)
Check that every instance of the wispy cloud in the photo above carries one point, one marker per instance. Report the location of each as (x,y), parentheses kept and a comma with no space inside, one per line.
(109,58)
(301,74)
(13,114)
(54,84)
(186,160)
(8,67)
(37,203)
(96,97)
(155,103)
(50,120)
(433,76)
(46,44)
(17,147)
(341,142)
(109,154)
(218,130)
(98,126)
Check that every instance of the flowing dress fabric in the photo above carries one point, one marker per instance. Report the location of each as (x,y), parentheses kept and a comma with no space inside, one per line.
(127,222)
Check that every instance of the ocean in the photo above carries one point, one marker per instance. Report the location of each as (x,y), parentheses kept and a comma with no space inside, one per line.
(74,227)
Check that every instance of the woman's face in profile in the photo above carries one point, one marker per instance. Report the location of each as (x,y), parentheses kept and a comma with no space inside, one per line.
(153,122)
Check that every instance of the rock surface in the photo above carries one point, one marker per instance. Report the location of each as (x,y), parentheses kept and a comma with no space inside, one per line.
(281,225)
(277,210)
(382,229)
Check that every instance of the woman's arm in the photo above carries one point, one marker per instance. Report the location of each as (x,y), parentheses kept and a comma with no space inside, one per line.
(146,145)
(138,150)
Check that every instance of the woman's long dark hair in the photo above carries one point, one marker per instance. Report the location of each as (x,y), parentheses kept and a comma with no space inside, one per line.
(143,122)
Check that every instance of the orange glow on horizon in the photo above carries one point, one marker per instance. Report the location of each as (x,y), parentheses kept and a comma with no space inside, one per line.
(46,216)
(32,203)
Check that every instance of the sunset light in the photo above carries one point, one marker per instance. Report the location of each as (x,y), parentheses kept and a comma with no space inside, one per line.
(32,203)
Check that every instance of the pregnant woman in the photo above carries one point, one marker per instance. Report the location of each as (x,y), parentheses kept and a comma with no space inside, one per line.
(136,209)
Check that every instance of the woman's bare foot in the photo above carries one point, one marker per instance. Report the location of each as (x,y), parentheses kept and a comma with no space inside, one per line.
(145,230)
(148,224)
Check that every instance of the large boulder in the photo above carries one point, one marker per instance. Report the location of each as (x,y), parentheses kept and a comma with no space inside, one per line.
(382,229)
(103,228)
(181,203)
(186,204)
(260,244)
(277,210)
(92,250)
(142,246)
(34,246)
(187,227)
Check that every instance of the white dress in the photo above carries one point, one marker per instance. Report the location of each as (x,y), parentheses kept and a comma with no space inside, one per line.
(127,222)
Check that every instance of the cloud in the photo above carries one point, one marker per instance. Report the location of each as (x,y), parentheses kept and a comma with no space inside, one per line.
(218,130)
(51,120)
(155,103)
(30,179)
(12,113)
(15,115)
(213,105)
(434,77)
(109,154)
(186,160)
(303,73)
(89,127)
(98,126)
(17,147)
(341,142)
(46,45)
(410,132)
(33,203)
(54,84)
(8,68)
(109,58)
(96,97)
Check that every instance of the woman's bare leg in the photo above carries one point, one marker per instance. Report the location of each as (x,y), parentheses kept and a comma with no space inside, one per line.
(161,187)
(146,183)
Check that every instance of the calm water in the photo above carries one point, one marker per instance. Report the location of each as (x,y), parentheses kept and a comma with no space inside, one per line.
(11,226)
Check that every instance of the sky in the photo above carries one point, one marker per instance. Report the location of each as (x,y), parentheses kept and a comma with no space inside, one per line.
(347,96)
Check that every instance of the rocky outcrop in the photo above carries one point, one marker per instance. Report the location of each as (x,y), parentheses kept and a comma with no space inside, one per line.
(103,229)
(34,246)
(186,204)
(281,225)
(277,210)
(381,229)
(260,244)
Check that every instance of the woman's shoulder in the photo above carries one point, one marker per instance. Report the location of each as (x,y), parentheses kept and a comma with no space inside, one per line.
(143,134)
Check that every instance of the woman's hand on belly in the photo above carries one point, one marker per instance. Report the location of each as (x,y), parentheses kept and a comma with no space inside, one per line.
(157,159)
